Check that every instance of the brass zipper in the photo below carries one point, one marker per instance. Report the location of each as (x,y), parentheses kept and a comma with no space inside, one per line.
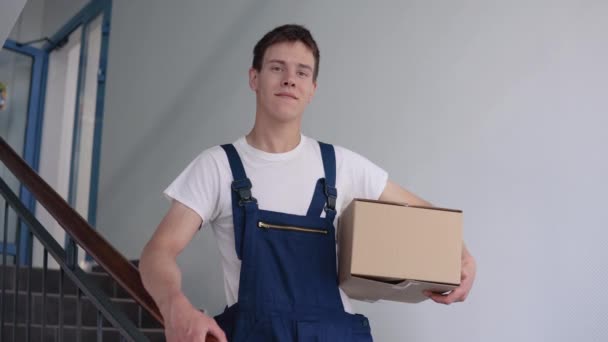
(297,229)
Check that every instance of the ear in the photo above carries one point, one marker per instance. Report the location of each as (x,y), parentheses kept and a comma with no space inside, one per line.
(253,79)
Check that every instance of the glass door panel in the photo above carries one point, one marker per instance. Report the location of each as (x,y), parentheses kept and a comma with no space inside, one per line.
(15,80)
(86,121)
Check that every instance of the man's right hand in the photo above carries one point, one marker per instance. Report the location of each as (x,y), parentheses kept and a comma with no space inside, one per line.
(184,323)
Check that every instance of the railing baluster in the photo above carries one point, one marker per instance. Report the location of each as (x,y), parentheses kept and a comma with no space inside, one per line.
(78,315)
(45,262)
(16,282)
(120,269)
(60,304)
(4,269)
(99,327)
(71,252)
(28,308)
(139,316)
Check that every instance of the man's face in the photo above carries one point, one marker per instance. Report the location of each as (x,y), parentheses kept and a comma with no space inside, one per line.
(284,86)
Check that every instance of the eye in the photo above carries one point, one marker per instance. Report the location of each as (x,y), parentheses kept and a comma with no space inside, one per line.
(303,74)
(276,68)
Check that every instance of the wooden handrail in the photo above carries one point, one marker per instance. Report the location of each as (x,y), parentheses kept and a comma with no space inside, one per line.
(119,268)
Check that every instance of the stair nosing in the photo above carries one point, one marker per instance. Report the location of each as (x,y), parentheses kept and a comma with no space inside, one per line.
(69,295)
(84,327)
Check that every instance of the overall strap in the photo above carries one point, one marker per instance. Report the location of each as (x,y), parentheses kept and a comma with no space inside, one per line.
(325,194)
(241,195)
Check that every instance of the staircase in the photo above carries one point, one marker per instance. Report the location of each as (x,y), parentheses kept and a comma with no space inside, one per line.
(51,309)
(50,305)
(89,317)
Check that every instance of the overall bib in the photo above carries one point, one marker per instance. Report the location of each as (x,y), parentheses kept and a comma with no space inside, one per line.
(288,289)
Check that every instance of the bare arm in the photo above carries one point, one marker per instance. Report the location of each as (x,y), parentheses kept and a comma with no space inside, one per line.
(394,193)
(162,278)
(159,271)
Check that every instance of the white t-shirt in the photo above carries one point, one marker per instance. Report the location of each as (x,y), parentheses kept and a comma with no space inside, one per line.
(282,182)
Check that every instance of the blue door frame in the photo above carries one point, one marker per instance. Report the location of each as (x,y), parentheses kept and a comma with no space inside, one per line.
(33,135)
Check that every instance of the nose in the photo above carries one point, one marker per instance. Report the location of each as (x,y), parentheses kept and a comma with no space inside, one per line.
(289,80)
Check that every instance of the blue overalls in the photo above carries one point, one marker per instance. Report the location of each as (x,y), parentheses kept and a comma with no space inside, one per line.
(288,288)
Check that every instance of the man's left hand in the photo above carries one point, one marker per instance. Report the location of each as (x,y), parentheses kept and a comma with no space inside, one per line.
(467,277)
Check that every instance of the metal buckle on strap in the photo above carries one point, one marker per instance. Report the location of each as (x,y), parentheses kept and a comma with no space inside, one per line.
(332,194)
(243,188)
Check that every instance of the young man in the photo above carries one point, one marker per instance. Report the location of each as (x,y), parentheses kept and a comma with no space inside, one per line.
(272,198)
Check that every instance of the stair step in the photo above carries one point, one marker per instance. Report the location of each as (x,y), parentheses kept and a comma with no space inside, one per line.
(51,333)
(104,281)
(89,313)
(97,268)
(118,296)
(118,291)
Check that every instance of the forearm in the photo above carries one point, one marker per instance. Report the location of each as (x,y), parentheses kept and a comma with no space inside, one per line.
(160,275)
(162,278)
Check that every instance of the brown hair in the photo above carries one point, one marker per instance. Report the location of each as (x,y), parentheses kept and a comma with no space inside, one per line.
(286,33)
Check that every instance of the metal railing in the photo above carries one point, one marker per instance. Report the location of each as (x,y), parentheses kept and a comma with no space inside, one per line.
(84,284)
(120,269)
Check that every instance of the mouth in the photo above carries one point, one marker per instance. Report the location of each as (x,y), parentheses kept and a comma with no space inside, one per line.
(286,95)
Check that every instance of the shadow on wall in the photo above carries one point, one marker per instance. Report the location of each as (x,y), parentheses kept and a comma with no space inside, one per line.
(197,84)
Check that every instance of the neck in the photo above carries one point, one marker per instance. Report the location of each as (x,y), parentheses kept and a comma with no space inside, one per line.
(274,138)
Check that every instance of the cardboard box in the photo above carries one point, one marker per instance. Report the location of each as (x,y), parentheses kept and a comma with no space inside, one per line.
(395,252)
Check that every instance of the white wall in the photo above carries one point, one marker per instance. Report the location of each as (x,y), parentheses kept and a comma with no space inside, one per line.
(9,12)
(43,18)
(497,108)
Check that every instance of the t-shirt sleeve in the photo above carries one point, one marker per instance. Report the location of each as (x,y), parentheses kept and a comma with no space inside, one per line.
(367,180)
(198,186)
